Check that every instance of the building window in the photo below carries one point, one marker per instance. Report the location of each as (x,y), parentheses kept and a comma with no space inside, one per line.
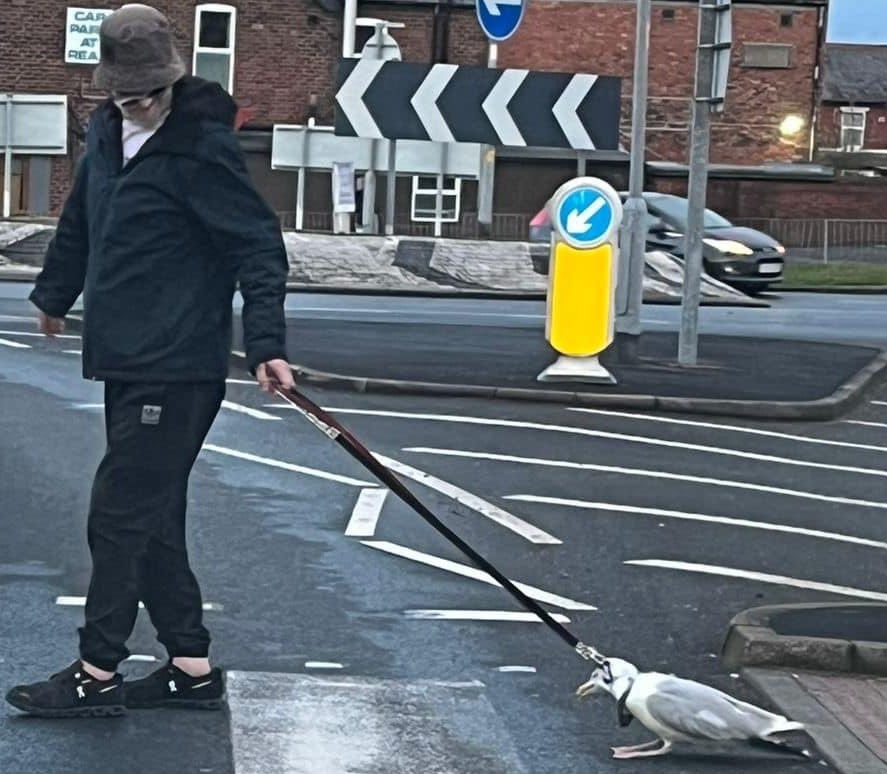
(425,198)
(767,55)
(853,128)
(786,19)
(214,30)
(668,14)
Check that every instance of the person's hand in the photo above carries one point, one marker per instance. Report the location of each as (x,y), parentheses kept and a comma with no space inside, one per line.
(275,373)
(50,325)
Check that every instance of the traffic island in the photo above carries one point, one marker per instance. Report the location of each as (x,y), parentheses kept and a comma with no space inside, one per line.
(824,665)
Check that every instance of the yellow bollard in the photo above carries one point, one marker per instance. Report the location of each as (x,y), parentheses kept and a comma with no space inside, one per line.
(585,215)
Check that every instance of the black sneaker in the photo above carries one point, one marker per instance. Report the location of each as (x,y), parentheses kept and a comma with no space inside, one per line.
(169,686)
(72,693)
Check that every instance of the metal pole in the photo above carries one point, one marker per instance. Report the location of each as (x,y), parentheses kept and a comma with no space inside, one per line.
(7,161)
(391,188)
(349,28)
(701,137)
(438,197)
(369,180)
(487,178)
(630,289)
(825,236)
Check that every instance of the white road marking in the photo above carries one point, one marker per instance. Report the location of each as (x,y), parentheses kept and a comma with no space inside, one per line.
(616,508)
(867,424)
(81,601)
(323,665)
(250,412)
(467,571)
(879,402)
(332,723)
(137,657)
(615,437)
(514,616)
(492,512)
(647,474)
(778,580)
(529,669)
(729,428)
(72,351)
(286,466)
(14,344)
(366,513)
(14,317)
(88,405)
(39,335)
(253,382)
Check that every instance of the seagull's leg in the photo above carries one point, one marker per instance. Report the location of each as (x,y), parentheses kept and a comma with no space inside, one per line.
(635,748)
(642,750)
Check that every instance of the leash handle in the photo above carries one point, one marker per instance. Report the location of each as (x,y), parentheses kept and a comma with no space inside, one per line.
(333,429)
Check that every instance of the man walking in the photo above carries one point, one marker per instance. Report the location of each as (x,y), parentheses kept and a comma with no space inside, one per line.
(162,222)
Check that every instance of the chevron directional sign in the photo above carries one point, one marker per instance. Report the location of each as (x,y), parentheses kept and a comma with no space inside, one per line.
(450,103)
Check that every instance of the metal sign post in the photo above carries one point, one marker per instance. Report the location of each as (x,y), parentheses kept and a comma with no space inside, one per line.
(7,160)
(711,85)
(586,214)
(634,226)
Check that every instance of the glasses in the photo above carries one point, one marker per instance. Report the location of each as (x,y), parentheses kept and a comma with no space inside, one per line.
(123,101)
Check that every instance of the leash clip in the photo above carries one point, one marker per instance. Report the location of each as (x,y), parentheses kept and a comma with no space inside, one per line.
(590,653)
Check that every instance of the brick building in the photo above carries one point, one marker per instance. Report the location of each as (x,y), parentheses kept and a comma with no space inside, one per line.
(279,57)
(852,120)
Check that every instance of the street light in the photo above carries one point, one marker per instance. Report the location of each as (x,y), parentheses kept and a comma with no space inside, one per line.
(791,126)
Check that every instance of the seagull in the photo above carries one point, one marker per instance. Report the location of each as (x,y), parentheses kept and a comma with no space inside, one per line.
(679,710)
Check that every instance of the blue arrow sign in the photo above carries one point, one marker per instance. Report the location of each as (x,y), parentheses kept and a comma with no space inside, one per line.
(585,216)
(499,19)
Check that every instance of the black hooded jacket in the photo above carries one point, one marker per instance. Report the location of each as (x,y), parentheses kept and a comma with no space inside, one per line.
(157,247)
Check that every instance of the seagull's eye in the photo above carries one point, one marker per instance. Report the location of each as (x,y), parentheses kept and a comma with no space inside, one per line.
(607,673)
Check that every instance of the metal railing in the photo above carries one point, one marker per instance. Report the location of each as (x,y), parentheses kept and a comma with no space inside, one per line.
(505,226)
(826,240)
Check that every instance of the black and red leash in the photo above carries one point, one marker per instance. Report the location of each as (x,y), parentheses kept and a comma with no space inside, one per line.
(334,430)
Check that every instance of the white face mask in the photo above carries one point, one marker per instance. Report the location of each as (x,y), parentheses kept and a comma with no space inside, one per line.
(146,110)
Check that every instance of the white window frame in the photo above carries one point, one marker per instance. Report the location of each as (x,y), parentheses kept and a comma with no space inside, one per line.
(846,128)
(455,191)
(232,38)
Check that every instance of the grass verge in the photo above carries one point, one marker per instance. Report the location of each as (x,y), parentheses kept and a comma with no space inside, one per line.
(825,274)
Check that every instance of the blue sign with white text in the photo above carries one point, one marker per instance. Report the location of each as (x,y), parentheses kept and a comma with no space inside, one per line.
(499,19)
(585,215)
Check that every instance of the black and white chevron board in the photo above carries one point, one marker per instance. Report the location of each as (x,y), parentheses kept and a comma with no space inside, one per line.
(451,103)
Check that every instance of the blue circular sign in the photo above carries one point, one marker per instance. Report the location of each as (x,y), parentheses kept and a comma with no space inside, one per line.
(499,19)
(586,215)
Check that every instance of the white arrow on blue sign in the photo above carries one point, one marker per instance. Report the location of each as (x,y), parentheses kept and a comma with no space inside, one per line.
(499,19)
(586,216)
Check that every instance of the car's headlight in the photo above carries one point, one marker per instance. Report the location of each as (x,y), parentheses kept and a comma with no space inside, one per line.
(780,248)
(729,246)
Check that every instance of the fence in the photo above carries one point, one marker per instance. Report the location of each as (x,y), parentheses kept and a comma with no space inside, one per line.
(505,226)
(807,240)
(821,240)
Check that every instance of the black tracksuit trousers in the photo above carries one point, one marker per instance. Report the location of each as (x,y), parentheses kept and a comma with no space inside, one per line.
(136,525)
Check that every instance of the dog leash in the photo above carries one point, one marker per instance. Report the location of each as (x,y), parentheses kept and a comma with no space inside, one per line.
(335,431)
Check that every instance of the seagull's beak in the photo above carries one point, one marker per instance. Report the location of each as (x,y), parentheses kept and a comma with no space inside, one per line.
(587,689)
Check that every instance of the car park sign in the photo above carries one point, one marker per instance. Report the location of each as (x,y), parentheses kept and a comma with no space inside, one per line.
(499,19)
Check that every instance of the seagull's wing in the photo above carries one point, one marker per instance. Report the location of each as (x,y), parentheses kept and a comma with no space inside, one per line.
(702,712)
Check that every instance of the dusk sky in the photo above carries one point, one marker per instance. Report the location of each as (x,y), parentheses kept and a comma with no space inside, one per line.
(858,21)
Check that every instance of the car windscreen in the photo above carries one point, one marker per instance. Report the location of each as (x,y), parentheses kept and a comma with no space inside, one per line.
(673,209)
